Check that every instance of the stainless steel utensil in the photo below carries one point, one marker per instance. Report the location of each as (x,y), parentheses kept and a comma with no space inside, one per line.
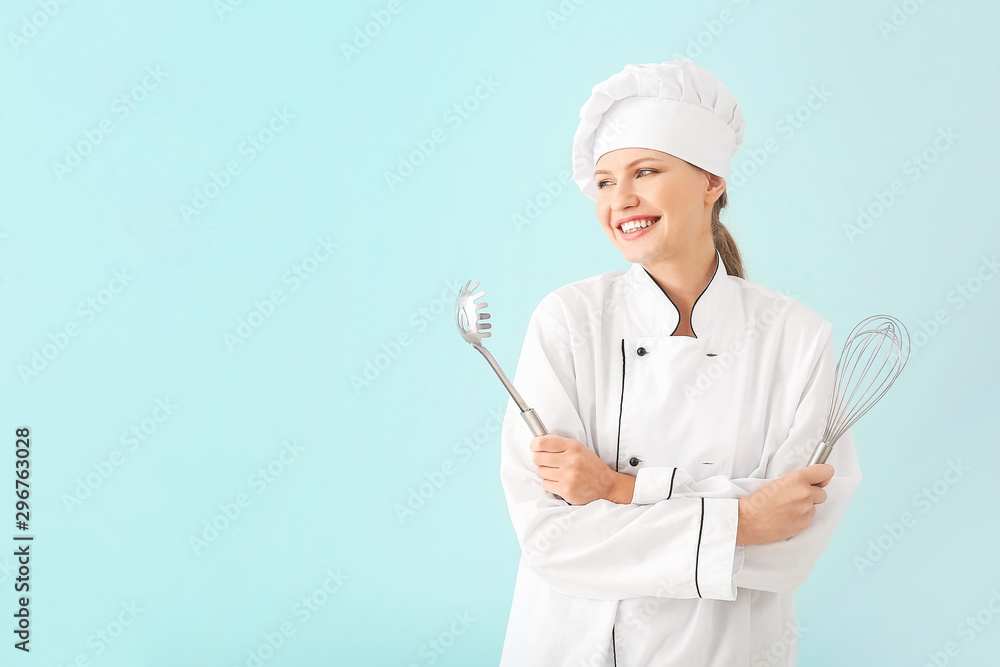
(473,329)
(880,340)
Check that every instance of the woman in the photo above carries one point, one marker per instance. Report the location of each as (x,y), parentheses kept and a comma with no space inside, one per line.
(670,515)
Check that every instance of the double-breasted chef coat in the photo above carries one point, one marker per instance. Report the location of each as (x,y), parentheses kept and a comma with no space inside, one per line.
(700,422)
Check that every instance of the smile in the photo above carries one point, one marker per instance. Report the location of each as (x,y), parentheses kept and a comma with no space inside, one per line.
(635,228)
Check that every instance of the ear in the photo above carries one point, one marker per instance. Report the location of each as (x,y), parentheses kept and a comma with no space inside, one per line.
(716,186)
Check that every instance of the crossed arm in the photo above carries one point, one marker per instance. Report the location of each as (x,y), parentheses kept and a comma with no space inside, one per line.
(667,534)
(779,509)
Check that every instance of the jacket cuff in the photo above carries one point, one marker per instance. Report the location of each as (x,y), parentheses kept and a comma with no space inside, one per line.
(717,549)
(653,485)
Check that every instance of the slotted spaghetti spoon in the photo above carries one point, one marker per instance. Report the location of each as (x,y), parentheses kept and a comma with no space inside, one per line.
(474,329)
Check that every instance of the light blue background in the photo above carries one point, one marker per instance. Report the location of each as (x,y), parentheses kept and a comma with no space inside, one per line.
(400,252)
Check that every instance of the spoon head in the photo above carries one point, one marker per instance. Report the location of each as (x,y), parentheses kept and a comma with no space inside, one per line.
(470,316)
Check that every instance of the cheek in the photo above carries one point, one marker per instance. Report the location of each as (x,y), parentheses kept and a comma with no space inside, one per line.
(677,200)
(603,212)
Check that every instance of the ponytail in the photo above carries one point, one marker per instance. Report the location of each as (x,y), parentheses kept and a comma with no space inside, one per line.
(724,242)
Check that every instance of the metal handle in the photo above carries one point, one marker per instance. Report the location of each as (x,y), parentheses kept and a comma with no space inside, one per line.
(537,429)
(820,454)
(530,418)
(533,422)
(503,378)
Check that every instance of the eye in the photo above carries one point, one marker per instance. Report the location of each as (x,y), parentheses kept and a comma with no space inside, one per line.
(638,174)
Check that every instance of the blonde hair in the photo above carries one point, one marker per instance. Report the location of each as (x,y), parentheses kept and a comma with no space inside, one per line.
(724,241)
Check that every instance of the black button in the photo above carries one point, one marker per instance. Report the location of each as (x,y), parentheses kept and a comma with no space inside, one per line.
(634,461)
(641,351)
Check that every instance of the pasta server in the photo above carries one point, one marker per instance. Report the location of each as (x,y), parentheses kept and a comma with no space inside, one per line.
(470,316)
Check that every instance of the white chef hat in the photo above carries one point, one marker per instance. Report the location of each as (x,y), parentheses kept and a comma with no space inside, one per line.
(675,107)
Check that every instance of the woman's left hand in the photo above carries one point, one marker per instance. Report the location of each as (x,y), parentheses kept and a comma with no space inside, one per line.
(569,469)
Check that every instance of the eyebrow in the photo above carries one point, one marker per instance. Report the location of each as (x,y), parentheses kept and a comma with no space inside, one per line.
(628,166)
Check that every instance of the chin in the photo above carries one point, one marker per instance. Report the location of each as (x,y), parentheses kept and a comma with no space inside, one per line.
(635,256)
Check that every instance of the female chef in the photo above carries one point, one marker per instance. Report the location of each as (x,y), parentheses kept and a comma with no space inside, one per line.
(670,514)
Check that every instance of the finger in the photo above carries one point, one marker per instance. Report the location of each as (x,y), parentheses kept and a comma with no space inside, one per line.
(548,443)
(548,475)
(818,472)
(545,459)
(819,495)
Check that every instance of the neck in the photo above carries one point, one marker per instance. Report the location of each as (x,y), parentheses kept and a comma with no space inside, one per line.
(683,277)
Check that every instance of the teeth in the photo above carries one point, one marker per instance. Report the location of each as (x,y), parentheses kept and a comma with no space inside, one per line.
(637,224)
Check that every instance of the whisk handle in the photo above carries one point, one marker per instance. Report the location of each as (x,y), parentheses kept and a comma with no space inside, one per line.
(821,453)
(533,422)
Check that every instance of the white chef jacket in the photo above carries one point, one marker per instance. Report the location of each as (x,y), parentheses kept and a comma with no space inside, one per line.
(700,422)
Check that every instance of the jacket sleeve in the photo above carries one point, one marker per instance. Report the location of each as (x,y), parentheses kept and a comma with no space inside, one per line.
(681,548)
(782,566)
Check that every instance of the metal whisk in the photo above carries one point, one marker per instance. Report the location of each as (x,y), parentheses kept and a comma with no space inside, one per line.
(879,340)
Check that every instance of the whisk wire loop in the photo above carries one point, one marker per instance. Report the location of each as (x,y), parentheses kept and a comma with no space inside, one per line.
(879,340)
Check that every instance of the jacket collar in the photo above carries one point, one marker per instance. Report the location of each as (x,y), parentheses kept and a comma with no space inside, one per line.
(662,315)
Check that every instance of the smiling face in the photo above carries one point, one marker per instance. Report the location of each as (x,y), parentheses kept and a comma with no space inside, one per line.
(642,184)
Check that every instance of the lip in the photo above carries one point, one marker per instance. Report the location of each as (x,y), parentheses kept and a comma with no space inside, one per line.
(639,232)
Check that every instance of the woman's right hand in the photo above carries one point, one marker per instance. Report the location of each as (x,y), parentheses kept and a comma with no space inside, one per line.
(783,507)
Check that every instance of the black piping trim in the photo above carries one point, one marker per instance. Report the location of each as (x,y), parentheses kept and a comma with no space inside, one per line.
(717,263)
(620,405)
(698,552)
(676,309)
(618,449)
(672,475)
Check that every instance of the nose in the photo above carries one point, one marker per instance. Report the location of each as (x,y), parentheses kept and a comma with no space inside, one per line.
(624,196)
